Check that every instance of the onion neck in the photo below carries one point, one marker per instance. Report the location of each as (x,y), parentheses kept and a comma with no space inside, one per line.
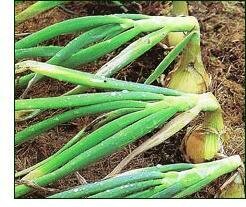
(179,8)
(190,74)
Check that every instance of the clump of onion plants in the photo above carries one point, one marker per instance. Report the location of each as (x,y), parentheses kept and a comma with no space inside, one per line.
(131,110)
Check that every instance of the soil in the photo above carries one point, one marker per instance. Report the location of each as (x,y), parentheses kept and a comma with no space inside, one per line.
(222,34)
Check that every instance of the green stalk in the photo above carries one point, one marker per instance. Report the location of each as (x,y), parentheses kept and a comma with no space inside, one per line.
(95,99)
(140,46)
(35,9)
(132,52)
(102,186)
(168,192)
(169,129)
(140,26)
(40,127)
(127,189)
(67,27)
(87,38)
(35,52)
(205,102)
(147,193)
(162,168)
(133,16)
(91,80)
(89,55)
(106,147)
(172,24)
(110,116)
(91,140)
(84,100)
(183,181)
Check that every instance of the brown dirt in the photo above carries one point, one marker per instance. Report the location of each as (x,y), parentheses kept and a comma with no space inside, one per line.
(222,29)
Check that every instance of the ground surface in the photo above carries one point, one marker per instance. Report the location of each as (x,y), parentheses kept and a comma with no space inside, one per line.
(222,29)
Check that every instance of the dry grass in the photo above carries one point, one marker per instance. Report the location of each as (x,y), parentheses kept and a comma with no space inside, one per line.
(222,28)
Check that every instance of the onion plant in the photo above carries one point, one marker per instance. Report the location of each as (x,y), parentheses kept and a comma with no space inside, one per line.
(190,63)
(203,142)
(87,23)
(156,106)
(103,34)
(161,181)
(88,103)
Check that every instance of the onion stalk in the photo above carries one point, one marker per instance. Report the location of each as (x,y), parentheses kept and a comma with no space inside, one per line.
(167,181)
(89,80)
(35,52)
(179,8)
(47,124)
(67,27)
(189,74)
(35,9)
